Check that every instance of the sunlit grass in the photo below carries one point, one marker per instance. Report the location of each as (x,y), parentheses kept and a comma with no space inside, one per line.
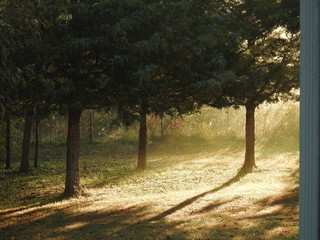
(121,200)
(179,196)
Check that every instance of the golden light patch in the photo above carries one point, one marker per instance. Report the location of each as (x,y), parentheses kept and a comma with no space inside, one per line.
(269,210)
(74,225)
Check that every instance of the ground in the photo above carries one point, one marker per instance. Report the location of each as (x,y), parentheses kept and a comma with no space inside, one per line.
(184,194)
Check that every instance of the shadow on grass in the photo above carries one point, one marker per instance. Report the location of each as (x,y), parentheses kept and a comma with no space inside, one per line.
(40,206)
(104,164)
(280,223)
(64,224)
(32,201)
(134,223)
(116,224)
(36,188)
(193,199)
(130,223)
(288,199)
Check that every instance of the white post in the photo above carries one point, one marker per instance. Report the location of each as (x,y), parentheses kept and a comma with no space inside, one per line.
(310,122)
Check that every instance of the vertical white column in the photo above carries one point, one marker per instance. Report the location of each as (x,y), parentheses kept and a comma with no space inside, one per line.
(310,122)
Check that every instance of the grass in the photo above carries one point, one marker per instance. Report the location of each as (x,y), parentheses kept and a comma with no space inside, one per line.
(182,194)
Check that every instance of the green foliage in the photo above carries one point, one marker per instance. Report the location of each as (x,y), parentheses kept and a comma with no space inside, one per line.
(24,84)
(74,63)
(290,15)
(261,55)
(159,58)
(7,76)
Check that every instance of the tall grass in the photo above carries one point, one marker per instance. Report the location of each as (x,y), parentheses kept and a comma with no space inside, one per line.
(273,122)
(279,120)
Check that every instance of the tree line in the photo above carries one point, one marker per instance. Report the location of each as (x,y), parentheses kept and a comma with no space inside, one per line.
(141,57)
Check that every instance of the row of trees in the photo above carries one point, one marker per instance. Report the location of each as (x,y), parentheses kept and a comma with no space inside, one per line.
(138,57)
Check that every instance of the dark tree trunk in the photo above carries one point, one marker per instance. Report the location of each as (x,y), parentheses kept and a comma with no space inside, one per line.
(39,130)
(72,185)
(33,134)
(36,143)
(142,152)
(24,167)
(8,142)
(249,161)
(90,127)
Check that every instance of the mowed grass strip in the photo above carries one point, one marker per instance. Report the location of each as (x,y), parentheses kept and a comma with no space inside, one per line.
(180,196)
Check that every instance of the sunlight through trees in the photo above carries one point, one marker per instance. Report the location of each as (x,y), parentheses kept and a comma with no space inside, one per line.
(125,89)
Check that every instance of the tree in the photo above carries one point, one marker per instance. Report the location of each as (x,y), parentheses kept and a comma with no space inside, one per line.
(23,83)
(156,62)
(136,64)
(34,92)
(261,62)
(36,144)
(77,40)
(20,16)
(24,166)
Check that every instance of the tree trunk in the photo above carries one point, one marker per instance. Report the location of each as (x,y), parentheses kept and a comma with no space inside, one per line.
(90,127)
(72,184)
(8,142)
(36,146)
(24,167)
(39,131)
(142,152)
(249,161)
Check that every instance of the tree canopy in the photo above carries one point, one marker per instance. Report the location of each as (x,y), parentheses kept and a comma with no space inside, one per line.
(261,55)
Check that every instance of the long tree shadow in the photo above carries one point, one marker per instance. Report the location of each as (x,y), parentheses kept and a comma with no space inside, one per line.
(127,222)
(189,201)
(115,224)
(280,223)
